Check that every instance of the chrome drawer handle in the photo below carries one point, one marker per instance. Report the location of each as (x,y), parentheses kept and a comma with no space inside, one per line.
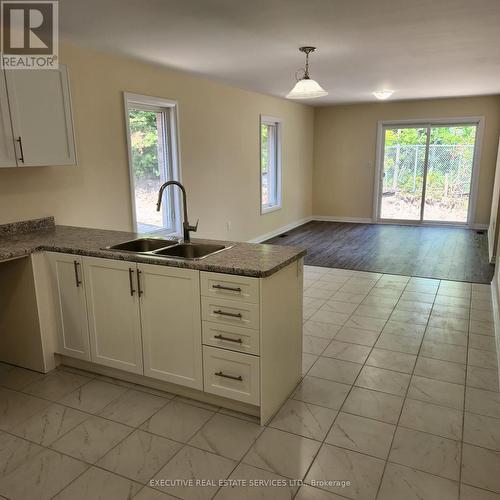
(221,337)
(239,378)
(232,315)
(229,288)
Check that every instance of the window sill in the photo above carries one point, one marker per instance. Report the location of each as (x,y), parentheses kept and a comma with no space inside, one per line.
(267,210)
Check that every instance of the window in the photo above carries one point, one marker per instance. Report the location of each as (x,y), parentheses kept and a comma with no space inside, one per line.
(152,144)
(270,164)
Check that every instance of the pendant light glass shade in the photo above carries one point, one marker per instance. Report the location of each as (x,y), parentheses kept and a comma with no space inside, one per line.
(306,89)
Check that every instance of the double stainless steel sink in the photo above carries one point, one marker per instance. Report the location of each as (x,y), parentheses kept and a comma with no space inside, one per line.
(173,249)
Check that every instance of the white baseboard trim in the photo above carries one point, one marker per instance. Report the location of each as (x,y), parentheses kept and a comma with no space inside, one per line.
(333,218)
(480,227)
(495,297)
(280,230)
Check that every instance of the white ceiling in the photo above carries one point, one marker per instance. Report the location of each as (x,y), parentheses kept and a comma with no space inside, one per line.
(419,48)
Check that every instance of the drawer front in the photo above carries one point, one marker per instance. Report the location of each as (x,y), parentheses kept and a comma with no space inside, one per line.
(230,312)
(232,375)
(231,337)
(227,286)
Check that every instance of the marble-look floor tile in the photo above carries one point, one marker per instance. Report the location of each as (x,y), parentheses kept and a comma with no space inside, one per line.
(93,438)
(308,361)
(439,335)
(16,378)
(414,306)
(436,392)
(480,467)
(390,360)
(56,385)
(49,424)
(445,352)
(374,404)
(321,392)
(325,316)
(133,407)
(270,486)
(362,471)
(449,323)
(482,378)
(426,452)
(440,370)
(318,293)
(335,369)
(365,323)
(402,328)
(373,311)
(177,421)
(412,317)
(226,436)
(305,419)
(400,482)
(353,298)
(484,342)
(425,417)
(482,402)
(150,494)
(41,477)
(283,453)
(14,452)
(139,456)
(93,397)
(481,327)
(418,294)
(340,307)
(454,312)
(362,434)
(481,430)
(472,493)
(323,330)
(307,492)
(347,352)
(16,407)
(97,484)
(189,464)
(483,359)
(314,345)
(382,380)
(399,343)
(357,336)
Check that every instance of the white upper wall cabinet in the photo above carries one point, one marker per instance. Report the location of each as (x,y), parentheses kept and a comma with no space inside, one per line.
(39,117)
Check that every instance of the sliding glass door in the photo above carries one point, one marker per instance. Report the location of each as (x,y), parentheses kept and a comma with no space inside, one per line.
(426,172)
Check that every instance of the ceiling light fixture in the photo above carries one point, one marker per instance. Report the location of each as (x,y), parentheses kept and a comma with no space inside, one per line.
(306,88)
(382,95)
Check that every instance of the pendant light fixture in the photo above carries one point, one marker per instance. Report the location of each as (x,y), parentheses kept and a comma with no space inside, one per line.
(306,88)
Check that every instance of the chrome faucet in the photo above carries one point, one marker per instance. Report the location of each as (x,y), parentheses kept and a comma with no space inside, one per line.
(185,223)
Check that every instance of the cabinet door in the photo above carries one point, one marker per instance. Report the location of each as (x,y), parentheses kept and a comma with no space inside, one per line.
(40,110)
(171,324)
(113,311)
(72,308)
(7,153)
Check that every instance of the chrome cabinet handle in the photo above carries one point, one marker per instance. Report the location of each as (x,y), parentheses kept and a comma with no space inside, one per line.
(20,141)
(131,281)
(139,290)
(228,339)
(239,378)
(78,281)
(232,315)
(228,288)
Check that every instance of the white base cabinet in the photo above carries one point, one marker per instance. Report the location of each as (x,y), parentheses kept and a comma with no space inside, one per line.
(71,306)
(113,312)
(171,325)
(233,337)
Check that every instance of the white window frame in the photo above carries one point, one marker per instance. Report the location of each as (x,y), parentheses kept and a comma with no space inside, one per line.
(278,123)
(169,108)
(424,123)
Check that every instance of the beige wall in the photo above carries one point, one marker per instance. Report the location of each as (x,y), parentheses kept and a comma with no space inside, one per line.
(345,141)
(219,141)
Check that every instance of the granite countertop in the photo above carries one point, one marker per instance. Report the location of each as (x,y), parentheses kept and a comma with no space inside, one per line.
(246,259)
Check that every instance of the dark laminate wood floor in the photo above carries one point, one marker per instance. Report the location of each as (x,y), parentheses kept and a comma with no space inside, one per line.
(431,252)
